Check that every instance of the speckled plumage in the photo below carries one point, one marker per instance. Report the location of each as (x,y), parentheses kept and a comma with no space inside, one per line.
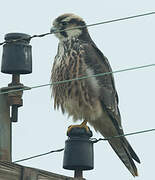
(93,99)
(74,97)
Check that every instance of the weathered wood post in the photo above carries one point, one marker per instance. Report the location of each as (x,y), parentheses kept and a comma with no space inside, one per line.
(5,129)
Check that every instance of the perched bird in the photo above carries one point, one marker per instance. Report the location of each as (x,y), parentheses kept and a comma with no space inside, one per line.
(92,100)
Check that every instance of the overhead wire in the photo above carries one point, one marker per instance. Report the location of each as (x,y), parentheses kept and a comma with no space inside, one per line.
(39,155)
(94,140)
(76,79)
(89,25)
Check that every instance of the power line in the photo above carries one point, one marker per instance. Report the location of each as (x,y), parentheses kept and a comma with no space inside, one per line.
(79,78)
(39,155)
(89,25)
(123,135)
(94,140)
(122,19)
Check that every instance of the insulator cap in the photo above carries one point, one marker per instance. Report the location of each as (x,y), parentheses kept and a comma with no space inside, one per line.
(78,153)
(17,56)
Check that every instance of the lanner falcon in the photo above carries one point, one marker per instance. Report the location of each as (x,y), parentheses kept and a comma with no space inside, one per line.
(92,100)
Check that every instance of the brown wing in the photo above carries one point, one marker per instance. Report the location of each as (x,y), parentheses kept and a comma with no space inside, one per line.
(109,100)
(95,60)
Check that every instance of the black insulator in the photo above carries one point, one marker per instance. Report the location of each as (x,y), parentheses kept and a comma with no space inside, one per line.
(17,55)
(78,153)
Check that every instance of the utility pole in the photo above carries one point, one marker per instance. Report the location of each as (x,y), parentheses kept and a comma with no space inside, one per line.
(16,60)
(5,129)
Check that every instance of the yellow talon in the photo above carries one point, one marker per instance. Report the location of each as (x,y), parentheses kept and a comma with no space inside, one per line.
(82,125)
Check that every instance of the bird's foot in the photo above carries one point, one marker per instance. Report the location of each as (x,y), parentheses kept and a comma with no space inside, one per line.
(82,125)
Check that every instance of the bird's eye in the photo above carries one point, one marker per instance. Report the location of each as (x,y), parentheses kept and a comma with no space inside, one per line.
(64,23)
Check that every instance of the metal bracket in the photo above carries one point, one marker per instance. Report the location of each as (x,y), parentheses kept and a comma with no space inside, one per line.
(14,97)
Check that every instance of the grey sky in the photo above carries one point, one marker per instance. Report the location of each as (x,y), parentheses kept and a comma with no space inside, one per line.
(126,44)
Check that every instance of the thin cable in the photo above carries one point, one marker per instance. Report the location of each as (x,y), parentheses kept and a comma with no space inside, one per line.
(121,19)
(79,78)
(28,39)
(89,25)
(39,155)
(94,140)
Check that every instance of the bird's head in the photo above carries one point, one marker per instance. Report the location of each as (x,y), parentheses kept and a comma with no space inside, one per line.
(67,26)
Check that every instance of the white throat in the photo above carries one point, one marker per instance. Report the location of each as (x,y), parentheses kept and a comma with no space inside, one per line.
(70,34)
(73,33)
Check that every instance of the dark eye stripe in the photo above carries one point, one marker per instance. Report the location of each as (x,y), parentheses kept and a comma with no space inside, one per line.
(63,33)
(75,21)
(64,23)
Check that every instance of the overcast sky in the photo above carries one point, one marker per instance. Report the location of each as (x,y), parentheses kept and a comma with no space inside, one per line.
(126,44)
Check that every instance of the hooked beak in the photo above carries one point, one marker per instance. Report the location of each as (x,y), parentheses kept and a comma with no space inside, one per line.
(53,30)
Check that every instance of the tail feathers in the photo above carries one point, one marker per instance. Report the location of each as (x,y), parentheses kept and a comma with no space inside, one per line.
(123,153)
(131,151)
